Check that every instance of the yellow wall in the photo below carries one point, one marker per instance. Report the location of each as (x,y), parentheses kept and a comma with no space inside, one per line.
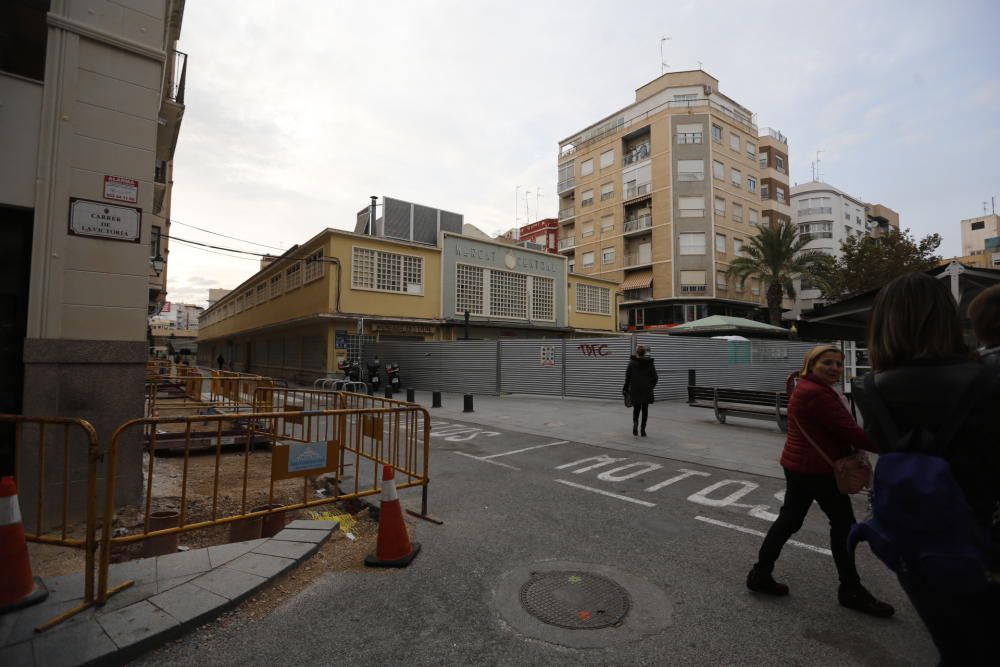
(587,320)
(373,302)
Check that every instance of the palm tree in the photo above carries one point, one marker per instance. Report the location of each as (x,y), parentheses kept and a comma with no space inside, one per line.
(775,256)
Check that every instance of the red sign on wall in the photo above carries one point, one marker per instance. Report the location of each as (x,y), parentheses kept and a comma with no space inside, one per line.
(119,188)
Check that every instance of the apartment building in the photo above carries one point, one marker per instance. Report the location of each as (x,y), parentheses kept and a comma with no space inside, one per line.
(540,235)
(827,217)
(976,231)
(660,196)
(91,98)
(302,314)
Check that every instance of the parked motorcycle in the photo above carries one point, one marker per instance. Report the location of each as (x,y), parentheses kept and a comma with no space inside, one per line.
(352,370)
(392,377)
(373,377)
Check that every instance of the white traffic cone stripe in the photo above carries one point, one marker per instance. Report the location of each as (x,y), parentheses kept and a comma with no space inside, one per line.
(10,512)
(389,490)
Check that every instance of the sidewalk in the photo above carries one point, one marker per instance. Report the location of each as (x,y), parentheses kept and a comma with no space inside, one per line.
(171,595)
(676,430)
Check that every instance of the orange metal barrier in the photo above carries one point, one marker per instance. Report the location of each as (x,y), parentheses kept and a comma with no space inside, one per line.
(70,433)
(305,442)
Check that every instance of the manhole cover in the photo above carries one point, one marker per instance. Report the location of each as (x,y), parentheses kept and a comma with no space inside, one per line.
(575,600)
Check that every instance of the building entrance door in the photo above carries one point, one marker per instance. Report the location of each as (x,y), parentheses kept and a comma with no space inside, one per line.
(15,261)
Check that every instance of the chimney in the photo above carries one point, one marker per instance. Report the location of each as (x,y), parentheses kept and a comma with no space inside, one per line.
(371,216)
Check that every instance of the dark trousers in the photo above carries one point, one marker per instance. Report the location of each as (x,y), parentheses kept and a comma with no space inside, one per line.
(800,491)
(963,627)
(644,409)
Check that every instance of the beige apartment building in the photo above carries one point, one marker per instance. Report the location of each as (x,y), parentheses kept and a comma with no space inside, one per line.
(91,98)
(976,231)
(660,196)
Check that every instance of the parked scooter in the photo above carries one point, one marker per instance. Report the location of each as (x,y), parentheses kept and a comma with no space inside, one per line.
(392,377)
(373,378)
(352,370)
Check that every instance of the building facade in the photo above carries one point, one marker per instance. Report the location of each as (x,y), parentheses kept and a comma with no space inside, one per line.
(92,96)
(660,196)
(540,235)
(976,231)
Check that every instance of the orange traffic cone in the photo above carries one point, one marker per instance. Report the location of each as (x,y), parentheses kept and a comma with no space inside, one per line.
(393,548)
(17,587)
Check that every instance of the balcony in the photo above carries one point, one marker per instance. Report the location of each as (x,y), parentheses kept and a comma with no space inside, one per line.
(637,154)
(637,225)
(567,184)
(634,190)
(693,289)
(635,259)
(689,137)
(567,243)
(159,185)
(567,214)
(172,106)
(817,210)
(643,294)
(774,134)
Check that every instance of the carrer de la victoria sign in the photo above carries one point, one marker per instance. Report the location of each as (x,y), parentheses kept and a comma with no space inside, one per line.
(105,221)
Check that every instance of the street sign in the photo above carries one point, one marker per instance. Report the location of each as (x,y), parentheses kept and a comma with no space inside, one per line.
(104,221)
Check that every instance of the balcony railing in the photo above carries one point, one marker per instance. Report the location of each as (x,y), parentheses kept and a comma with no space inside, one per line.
(160,174)
(817,210)
(635,259)
(637,190)
(637,154)
(774,134)
(638,224)
(693,289)
(567,213)
(689,137)
(567,184)
(567,242)
(178,77)
(640,294)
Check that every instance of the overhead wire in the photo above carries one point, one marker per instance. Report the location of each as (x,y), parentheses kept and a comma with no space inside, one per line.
(234,238)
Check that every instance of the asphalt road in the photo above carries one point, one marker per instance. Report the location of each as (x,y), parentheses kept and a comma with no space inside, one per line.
(512,502)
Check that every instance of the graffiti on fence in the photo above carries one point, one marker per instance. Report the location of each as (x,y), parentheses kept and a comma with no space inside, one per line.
(592,350)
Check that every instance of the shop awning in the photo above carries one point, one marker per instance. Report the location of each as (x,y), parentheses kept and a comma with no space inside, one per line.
(638,280)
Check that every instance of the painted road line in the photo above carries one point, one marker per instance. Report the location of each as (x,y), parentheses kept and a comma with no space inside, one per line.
(606,493)
(479,458)
(751,531)
(526,449)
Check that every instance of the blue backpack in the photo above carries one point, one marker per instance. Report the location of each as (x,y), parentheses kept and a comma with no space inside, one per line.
(921,523)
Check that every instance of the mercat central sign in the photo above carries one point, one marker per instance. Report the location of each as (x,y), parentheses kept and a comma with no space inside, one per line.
(509,258)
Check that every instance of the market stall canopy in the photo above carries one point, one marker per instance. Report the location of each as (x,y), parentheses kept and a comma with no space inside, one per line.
(715,325)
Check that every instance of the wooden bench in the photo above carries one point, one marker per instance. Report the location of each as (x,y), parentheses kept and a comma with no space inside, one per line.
(750,403)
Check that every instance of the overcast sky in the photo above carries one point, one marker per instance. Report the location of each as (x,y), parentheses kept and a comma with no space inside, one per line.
(297,112)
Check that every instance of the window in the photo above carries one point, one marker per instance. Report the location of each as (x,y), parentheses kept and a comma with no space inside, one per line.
(607,224)
(587,229)
(24,38)
(593,299)
(847,216)
(718,170)
(387,271)
(587,167)
(691,207)
(752,216)
(239,304)
(154,242)
(607,159)
(720,280)
(248,299)
(691,170)
(690,133)
(734,142)
(314,266)
(261,292)
(739,286)
(779,163)
(780,193)
(686,97)
(751,150)
(763,160)
(720,206)
(276,285)
(737,247)
(754,287)
(752,183)
(543,298)
(692,281)
(607,191)
(764,191)
(607,256)
(571,265)
(720,243)
(847,231)
(736,177)
(692,243)
(587,260)
(716,133)
(587,198)
(469,289)
(508,294)
(293,276)
(737,212)
(979,224)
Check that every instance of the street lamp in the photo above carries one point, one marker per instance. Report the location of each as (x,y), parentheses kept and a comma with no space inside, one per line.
(158,264)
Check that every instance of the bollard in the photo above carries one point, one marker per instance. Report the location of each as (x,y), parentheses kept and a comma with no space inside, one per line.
(436,399)
(370,390)
(468,403)
(691,382)
(388,391)
(411,395)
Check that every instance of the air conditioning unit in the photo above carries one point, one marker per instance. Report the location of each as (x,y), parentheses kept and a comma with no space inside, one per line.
(707,90)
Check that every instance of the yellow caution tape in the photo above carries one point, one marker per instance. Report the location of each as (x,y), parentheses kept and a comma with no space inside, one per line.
(347,521)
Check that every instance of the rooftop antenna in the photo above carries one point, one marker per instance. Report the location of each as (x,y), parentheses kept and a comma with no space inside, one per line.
(663,63)
(527,213)
(517,201)
(816,173)
(538,193)
(699,65)
(985,208)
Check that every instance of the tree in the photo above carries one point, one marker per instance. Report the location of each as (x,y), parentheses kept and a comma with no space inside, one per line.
(775,256)
(866,262)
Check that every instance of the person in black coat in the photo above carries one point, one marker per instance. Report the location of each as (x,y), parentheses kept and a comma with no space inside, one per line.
(640,378)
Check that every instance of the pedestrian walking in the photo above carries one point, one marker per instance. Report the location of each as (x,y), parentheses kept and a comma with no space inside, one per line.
(932,412)
(821,431)
(221,361)
(984,313)
(640,378)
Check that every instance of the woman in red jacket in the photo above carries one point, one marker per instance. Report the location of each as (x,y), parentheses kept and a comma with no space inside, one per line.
(821,411)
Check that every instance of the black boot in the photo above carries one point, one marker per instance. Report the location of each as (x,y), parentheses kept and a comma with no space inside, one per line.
(635,428)
(858,598)
(643,432)
(762,582)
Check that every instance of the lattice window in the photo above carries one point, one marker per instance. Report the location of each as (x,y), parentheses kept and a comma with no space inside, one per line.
(276,286)
(593,299)
(261,292)
(314,266)
(388,271)
(469,290)
(363,268)
(413,274)
(293,276)
(388,268)
(543,299)
(508,295)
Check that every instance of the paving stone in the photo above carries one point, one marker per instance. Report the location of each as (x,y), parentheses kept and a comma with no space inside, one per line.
(182,563)
(223,553)
(296,550)
(229,583)
(142,570)
(25,620)
(18,655)
(135,624)
(294,535)
(67,587)
(309,524)
(262,565)
(166,584)
(188,602)
(74,645)
(134,593)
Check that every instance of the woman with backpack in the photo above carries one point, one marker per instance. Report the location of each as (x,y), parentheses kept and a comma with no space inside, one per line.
(640,378)
(821,431)
(932,410)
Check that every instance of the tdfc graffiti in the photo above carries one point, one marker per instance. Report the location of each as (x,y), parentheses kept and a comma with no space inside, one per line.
(590,350)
